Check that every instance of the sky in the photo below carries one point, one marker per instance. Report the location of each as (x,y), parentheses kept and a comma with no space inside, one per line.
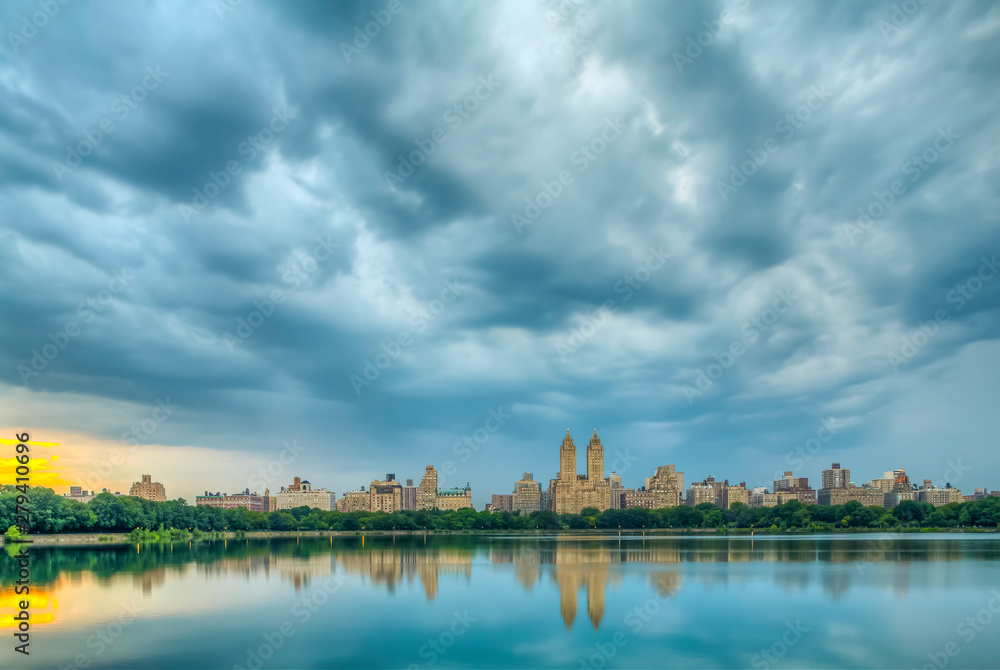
(244,241)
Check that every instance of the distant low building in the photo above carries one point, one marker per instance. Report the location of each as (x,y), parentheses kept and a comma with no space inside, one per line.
(765,499)
(665,487)
(429,496)
(939,497)
(867,496)
(979,494)
(148,490)
(890,500)
(797,487)
(700,492)
(79,495)
(502,503)
(354,501)
(385,496)
(246,500)
(300,493)
(457,498)
(735,494)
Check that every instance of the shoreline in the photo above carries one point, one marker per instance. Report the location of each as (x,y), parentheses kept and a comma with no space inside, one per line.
(111,539)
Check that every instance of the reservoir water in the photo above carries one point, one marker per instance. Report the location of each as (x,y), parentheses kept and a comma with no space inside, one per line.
(551,601)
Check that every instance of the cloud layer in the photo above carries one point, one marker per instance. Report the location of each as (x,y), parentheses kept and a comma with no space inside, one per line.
(703,229)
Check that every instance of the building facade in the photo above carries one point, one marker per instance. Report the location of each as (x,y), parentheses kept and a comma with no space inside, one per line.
(666,487)
(527,496)
(502,503)
(386,495)
(798,487)
(246,500)
(458,498)
(572,492)
(617,490)
(867,496)
(700,492)
(301,493)
(735,494)
(836,477)
(429,496)
(938,497)
(148,489)
(354,501)
(409,496)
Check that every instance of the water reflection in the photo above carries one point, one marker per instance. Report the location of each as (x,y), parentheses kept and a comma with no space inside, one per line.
(590,565)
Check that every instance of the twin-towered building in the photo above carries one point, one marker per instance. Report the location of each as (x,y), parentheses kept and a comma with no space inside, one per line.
(572,492)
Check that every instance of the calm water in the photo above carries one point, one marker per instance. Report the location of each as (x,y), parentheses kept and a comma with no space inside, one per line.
(503,601)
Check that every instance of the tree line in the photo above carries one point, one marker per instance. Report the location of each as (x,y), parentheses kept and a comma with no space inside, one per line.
(51,513)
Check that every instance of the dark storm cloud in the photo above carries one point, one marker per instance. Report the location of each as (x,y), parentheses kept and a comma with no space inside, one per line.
(847,102)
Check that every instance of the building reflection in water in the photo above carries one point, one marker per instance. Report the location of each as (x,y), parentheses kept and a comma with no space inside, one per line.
(572,564)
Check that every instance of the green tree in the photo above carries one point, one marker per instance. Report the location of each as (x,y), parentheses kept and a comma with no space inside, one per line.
(909,510)
(713,518)
(282,521)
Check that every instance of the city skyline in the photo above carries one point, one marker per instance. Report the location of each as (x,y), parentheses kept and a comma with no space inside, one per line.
(567,453)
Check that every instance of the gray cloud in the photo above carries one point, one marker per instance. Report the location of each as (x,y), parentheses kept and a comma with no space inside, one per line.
(657,184)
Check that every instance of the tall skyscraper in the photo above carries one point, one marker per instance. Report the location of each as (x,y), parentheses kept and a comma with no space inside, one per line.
(427,491)
(567,459)
(429,496)
(527,495)
(572,492)
(836,477)
(409,496)
(595,459)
